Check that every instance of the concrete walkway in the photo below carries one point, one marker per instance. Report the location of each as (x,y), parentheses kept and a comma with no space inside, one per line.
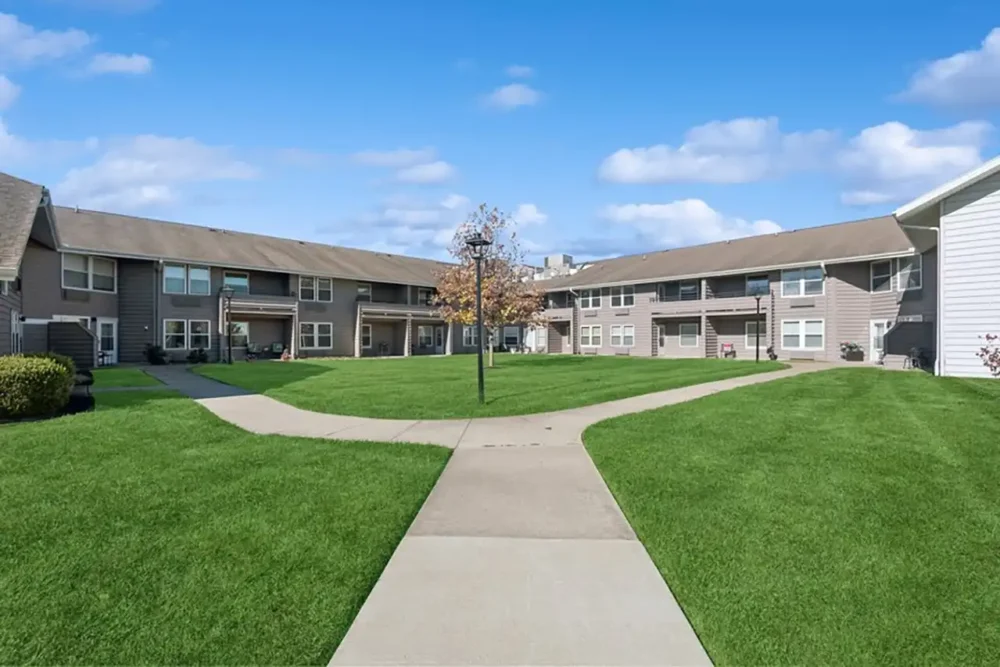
(520,555)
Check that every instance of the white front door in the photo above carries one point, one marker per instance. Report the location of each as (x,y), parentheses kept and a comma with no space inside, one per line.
(877,342)
(107,338)
(438,340)
(661,333)
(16,333)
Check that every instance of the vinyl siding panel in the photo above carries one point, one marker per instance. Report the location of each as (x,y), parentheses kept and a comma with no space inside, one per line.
(11,301)
(36,337)
(639,316)
(137,293)
(970,229)
(41,271)
(669,343)
(73,340)
(732,330)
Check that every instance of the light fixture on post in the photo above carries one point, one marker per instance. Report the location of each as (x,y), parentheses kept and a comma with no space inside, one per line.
(478,244)
(227,294)
(757,294)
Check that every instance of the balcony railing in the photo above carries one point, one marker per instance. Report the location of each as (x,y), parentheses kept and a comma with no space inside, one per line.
(263,304)
(397,309)
(562,314)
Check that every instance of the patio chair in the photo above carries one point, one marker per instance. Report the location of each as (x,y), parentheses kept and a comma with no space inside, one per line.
(253,352)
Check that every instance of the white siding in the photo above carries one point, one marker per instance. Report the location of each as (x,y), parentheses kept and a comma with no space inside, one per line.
(970,275)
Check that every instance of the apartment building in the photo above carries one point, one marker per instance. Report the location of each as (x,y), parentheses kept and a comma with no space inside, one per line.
(804,292)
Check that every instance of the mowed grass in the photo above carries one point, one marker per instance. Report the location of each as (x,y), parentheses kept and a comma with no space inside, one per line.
(123,377)
(446,387)
(151,532)
(849,517)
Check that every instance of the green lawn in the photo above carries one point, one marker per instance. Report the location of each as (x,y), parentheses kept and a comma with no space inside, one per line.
(445,387)
(843,518)
(123,377)
(151,532)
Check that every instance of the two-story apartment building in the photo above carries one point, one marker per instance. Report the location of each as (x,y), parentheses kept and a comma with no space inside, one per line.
(132,282)
(801,292)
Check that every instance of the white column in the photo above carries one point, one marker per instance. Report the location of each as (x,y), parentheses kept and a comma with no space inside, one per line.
(408,338)
(704,337)
(357,332)
(295,334)
(447,337)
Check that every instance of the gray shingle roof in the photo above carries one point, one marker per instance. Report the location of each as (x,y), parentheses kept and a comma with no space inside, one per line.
(123,235)
(860,238)
(19,201)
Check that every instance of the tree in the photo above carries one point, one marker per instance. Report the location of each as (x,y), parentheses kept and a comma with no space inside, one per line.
(508,298)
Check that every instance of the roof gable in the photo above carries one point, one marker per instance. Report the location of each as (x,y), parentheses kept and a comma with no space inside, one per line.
(939,194)
(19,202)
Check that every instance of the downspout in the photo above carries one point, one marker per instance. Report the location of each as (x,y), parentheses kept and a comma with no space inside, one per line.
(938,349)
(572,322)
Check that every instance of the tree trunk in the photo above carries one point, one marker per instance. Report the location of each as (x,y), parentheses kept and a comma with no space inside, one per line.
(491,352)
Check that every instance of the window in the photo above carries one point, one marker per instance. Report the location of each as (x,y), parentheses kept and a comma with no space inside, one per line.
(324,289)
(623,297)
(88,273)
(425,336)
(590,299)
(688,290)
(174,334)
(470,335)
(199,280)
(319,335)
(910,271)
(807,281)
(750,334)
(174,278)
(366,336)
(881,276)
(688,334)
(622,335)
(364,292)
(802,334)
(315,289)
(240,282)
(425,296)
(511,337)
(590,335)
(240,333)
(758,285)
(200,334)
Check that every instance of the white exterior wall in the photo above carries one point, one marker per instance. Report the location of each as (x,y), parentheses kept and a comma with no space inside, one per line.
(970,275)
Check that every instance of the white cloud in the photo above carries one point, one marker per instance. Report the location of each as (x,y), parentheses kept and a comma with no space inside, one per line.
(684,222)
(528,214)
(148,170)
(966,79)
(736,151)
(427,174)
(454,201)
(401,157)
(512,96)
(893,162)
(119,63)
(9,92)
(21,44)
(520,71)
(15,150)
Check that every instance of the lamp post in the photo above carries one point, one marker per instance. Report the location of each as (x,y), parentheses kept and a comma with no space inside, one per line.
(478,243)
(227,293)
(757,328)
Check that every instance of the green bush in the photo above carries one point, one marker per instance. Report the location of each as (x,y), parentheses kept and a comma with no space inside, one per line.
(33,387)
(199,356)
(61,359)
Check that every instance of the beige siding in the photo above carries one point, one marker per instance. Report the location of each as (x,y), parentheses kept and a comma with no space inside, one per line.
(732,330)
(638,315)
(669,345)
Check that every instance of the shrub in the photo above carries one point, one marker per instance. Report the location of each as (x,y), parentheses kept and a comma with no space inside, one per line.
(198,356)
(61,359)
(156,355)
(33,387)
(990,354)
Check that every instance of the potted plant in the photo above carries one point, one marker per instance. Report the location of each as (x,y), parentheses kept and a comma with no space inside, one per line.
(851,351)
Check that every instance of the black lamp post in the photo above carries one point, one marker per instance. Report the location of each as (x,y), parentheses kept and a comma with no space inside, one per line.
(478,243)
(227,293)
(757,328)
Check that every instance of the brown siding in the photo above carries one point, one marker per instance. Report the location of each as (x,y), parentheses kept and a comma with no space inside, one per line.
(638,315)
(671,346)
(43,294)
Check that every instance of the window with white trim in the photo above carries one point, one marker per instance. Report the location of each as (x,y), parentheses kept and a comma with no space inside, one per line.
(470,335)
(622,335)
(364,292)
(366,336)
(807,281)
(590,299)
(590,335)
(199,334)
(881,276)
(317,335)
(239,332)
(174,334)
(425,296)
(511,337)
(750,334)
(910,271)
(623,297)
(238,280)
(86,272)
(174,279)
(687,334)
(312,288)
(802,334)
(199,280)
(425,336)
(184,279)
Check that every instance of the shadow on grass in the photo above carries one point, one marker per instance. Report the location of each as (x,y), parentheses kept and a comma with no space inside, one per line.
(118,400)
(261,376)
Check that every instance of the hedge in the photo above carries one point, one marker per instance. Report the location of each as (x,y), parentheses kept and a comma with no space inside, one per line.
(61,359)
(33,386)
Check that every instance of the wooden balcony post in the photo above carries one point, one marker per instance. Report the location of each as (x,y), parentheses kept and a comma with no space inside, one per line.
(408,337)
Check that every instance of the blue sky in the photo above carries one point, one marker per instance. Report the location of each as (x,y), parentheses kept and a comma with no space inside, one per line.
(603,127)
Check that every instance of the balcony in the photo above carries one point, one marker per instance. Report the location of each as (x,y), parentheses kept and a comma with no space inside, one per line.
(736,302)
(397,310)
(563,314)
(261,304)
(677,304)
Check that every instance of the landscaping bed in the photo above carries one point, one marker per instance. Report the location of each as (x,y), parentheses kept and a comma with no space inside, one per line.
(445,387)
(843,517)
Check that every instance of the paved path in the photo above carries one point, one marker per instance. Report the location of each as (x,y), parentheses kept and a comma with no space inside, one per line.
(520,555)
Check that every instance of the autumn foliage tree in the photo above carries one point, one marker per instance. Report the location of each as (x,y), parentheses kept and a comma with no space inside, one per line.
(507,297)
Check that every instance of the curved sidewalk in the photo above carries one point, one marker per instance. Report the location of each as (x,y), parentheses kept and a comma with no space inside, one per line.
(519,556)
